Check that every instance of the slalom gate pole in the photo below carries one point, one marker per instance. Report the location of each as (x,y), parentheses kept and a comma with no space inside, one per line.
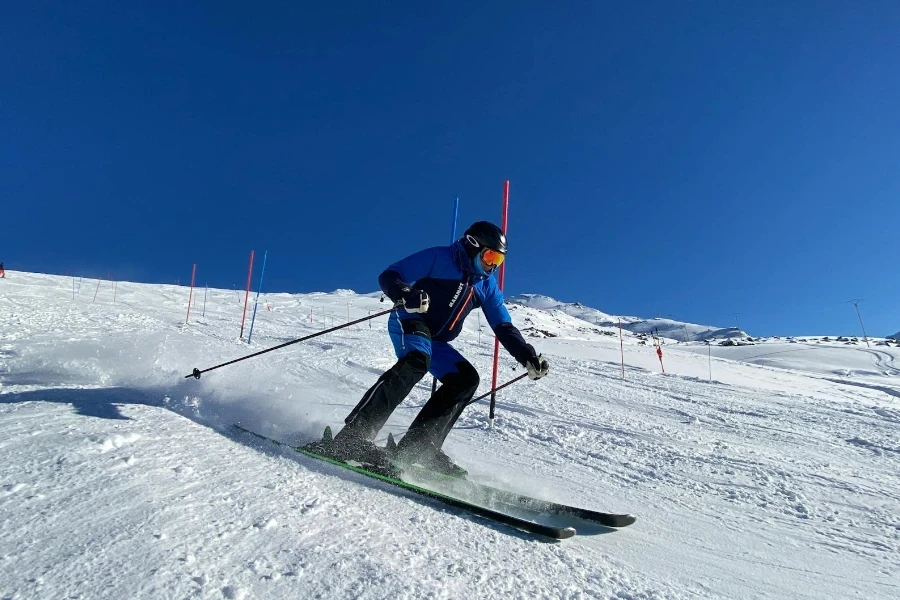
(455,219)
(497,389)
(503,226)
(659,352)
(197,372)
(247,295)
(258,290)
(452,239)
(191,295)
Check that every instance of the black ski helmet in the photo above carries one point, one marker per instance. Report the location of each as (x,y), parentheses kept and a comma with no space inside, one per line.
(481,235)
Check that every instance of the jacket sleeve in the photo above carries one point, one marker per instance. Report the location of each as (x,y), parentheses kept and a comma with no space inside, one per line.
(398,277)
(501,322)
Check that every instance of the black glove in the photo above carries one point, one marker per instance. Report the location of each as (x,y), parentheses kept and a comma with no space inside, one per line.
(414,301)
(537,367)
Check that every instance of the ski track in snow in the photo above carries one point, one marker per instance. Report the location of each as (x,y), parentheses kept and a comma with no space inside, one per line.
(121,478)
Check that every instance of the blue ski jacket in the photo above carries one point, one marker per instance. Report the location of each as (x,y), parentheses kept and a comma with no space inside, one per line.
(455,288)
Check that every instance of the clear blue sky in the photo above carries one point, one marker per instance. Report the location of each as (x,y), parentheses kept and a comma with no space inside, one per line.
(687,158)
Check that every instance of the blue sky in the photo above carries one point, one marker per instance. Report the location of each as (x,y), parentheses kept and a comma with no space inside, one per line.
(693,159)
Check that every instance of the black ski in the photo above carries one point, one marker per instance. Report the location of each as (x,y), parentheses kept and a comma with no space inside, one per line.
(487,495)
(490,496)
(559,533)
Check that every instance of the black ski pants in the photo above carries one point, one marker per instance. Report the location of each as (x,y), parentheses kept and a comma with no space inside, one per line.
(417,355)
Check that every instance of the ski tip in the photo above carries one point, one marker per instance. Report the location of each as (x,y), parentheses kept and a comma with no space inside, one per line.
(622,520)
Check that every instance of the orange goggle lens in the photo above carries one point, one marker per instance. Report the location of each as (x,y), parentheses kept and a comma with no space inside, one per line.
(492,258)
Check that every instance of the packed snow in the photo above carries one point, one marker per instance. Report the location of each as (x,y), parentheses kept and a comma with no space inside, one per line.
(765,469)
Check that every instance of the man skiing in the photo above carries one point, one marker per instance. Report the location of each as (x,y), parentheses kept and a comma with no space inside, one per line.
(434,290)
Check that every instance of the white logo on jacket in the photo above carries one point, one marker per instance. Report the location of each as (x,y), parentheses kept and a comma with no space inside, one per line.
(455,297)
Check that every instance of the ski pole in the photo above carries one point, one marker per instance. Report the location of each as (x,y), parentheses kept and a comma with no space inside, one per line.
(197,372)
(497,389)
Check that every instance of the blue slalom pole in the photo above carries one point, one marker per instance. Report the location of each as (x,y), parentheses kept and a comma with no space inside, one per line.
(452,239)
(256,302)
(455,217)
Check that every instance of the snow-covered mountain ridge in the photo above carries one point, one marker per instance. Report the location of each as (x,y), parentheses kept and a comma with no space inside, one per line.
(667,328)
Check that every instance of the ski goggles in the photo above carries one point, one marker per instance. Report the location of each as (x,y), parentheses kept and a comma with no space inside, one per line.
(492,258)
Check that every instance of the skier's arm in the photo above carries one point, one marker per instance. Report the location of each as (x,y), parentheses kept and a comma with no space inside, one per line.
(501,322)
(395,280)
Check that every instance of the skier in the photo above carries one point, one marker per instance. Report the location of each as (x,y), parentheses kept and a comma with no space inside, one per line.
(435,289)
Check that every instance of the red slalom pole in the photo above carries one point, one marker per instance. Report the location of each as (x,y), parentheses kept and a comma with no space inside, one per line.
(247,295)
(503,225)
(191,294)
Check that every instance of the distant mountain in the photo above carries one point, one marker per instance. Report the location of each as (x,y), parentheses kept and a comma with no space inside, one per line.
(668,328)
(896,336)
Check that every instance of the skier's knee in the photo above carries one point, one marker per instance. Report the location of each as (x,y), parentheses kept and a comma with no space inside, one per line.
(465,378)
(416,362)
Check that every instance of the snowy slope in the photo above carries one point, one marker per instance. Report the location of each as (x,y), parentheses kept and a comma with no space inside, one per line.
(754,474)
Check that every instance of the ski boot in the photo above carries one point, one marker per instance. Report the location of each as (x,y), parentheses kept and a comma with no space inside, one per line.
(426,456)
(354,451)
